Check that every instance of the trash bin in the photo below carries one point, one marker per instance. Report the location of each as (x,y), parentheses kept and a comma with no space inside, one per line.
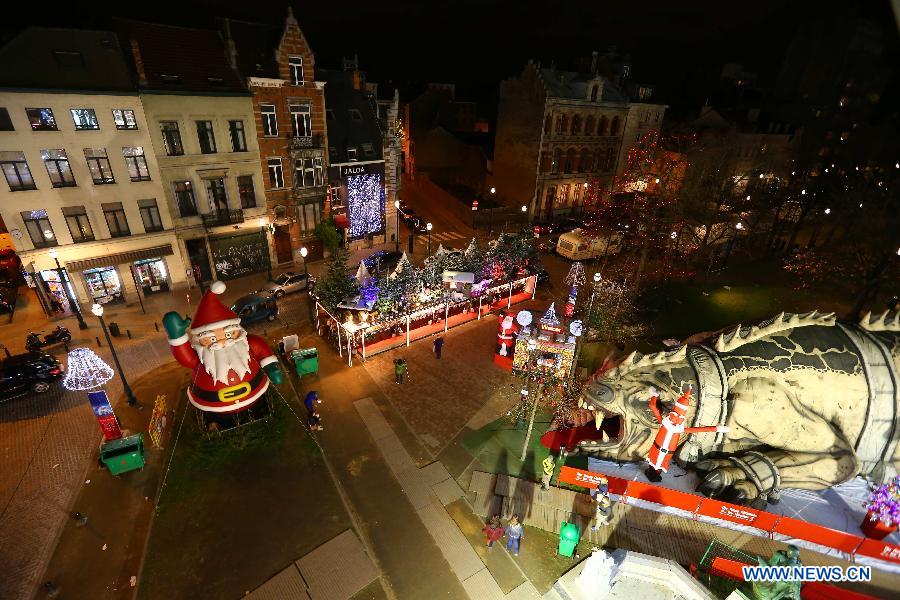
(306,361)
(114,329)
(124,454)
(568,539)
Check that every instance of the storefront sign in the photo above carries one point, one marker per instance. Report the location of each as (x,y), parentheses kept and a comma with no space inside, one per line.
(103,410)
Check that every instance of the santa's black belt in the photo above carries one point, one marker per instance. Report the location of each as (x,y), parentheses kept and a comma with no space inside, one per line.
(211,396)
(660,448)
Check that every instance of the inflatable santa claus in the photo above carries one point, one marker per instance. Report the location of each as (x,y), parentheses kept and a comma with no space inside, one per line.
(231,369)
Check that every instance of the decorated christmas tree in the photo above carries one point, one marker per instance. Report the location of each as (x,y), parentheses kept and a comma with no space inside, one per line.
(398,290)
(576,277)
(338,282)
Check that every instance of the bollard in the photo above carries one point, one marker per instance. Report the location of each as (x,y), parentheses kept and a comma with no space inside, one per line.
(51,589)
(99,345)
(128,332)
(155,324)
(80,519)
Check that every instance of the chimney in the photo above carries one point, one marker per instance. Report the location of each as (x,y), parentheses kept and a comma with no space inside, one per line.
(138,62)
(595,62)
(230,47)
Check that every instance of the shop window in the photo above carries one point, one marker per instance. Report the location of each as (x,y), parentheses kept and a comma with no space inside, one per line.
(104,285)
(41,119)
(246,191)
(85,118)
(5,121)
(115,219)
(276,174)
(16,170)
(152,275)
(150,215)
(98,165)
(38,227)
(171,138)
(184,198)
(238,136)
(57,162)
(295,64)
(301,120)
(270,122)
(124,118)
(79,224)
(206,136)
(136,163)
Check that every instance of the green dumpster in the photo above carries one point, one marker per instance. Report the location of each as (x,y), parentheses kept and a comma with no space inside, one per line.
(306,361)
(123,455)
(568,539)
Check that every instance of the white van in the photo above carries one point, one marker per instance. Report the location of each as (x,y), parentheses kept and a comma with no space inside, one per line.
(575,245)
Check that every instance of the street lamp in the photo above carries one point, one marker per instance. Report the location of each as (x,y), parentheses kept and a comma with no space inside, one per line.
(428,227)
(98,312)
(263,225)
(491,211)
(397,245)
(309,300)
(63,281)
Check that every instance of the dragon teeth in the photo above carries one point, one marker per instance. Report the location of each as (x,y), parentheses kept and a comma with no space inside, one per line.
(605,437)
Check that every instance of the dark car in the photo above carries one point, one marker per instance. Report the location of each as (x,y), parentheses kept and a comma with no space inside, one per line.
(30,372)
(255,307)
(567,224)
(406,213)
(543,277)
(417,224)
(382,261)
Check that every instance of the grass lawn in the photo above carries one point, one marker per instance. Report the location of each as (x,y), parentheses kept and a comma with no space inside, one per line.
(237,509)
(498,446)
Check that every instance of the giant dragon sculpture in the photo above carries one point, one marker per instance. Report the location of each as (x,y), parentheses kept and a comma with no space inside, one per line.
(809,403)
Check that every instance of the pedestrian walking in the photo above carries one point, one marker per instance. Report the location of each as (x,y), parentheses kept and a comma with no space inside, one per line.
(438,344)
(314,421)
(399,369)
(549,465)
(56,305)
(600,495)
(514,534)
(311,400)
(493,531)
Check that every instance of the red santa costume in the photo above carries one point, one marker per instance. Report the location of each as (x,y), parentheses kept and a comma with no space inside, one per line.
(671,430)
(229,378)
(506,335)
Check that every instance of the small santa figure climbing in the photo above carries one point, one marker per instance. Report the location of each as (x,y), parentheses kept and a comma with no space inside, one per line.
(231,369)
(671,429)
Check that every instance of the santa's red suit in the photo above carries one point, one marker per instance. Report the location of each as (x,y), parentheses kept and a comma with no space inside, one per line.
(238,391)
(507,335)
(671,430)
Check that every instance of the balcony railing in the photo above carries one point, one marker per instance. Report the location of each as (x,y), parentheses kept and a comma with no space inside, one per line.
(305,141)
(223,217)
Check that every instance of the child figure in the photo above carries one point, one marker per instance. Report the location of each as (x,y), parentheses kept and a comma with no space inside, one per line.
(514,533)
(493,531)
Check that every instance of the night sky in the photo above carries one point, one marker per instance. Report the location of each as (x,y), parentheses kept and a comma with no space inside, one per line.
(679,46)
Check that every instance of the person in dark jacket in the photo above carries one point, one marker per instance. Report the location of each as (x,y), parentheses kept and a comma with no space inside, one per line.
(311,400)
(438,345)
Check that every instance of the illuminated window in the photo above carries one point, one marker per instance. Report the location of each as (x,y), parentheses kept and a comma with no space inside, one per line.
(124,118)
(16,170)
(85,118)
(295,64)
(98,164)
(38,227)
(41,119)
(270,122)
(171,138)
(57,162)
(115,219)
(136,163)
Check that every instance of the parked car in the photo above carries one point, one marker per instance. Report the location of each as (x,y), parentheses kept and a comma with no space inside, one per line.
(417,224)
(406,213)
(567,224)
(382,261)
(286,283)
(543,277)
(580,245)
(30,372)
(255,307)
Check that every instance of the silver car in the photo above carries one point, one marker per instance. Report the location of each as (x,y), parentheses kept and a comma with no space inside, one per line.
(286,283)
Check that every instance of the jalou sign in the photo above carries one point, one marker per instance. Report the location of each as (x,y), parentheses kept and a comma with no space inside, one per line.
(365,168)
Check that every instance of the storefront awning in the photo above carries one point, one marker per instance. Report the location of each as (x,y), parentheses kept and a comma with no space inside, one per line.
(120,258)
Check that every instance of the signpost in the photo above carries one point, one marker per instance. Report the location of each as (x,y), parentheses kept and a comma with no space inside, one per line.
(103,410)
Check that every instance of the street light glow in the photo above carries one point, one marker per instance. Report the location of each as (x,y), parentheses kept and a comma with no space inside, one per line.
(262,221)
(739,225)
(397,204)
(827,211)
(97,309)
(54,253)
(304,251)
(524,208)
(493,190)
(428,226)
(597,277)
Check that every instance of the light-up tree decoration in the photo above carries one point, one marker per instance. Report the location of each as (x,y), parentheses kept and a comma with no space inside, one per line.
(86,371)
(883,503)
(365,204)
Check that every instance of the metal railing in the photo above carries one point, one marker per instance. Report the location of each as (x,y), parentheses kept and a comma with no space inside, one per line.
(223,217)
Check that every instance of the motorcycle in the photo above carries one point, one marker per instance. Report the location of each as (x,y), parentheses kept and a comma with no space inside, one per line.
(60,335)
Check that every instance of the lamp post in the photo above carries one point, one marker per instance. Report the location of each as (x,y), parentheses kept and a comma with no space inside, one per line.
(309,299)
(397,244)
(428,227)
(524,216)
(98,312)
(263,226)
(491,211)
(63,281)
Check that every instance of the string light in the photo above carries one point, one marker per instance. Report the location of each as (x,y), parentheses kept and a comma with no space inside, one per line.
(85,370)
(365,201)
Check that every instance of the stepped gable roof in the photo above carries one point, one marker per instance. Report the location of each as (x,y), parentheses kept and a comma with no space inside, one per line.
(573,84)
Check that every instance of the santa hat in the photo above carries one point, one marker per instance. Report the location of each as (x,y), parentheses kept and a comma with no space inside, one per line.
(211,313)
(683,403)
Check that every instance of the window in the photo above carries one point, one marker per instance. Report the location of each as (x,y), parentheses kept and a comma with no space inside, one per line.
(610,158)
(246,191)
(334,195)
(562,194)
(308,172)
(561,124)
(79,225)
(329,114)
(355,115)
(585,160)
(150,215)
(115,219)
(16,170)
(184,198)
(276,175)
(589,125)
(41,119)
(557,158)
(98,164)
(238,137)
(570,160)
(85,118)
(594,91)
(57,163)
(548,124)
(351,153)
(602,126)
(270,123)
(39,229)
(295,64)
(301,119)
(332,153)
(614,128)
(5,121)
(215,191)
(545,162)
(124,118)
(368,149)
(136,163)
(171,138)
(576,125)
(206,136)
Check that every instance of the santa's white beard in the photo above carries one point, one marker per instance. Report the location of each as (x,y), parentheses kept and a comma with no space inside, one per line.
(231,355)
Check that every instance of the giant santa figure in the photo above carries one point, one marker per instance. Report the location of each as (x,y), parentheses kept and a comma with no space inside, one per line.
(231,369)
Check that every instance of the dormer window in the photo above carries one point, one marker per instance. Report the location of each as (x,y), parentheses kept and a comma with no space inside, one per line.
(170,78)
(355,115)
(295,64)
(351,153)
(595,90)
(216,80)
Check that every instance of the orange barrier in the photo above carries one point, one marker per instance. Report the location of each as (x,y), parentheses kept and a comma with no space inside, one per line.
(714,510)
